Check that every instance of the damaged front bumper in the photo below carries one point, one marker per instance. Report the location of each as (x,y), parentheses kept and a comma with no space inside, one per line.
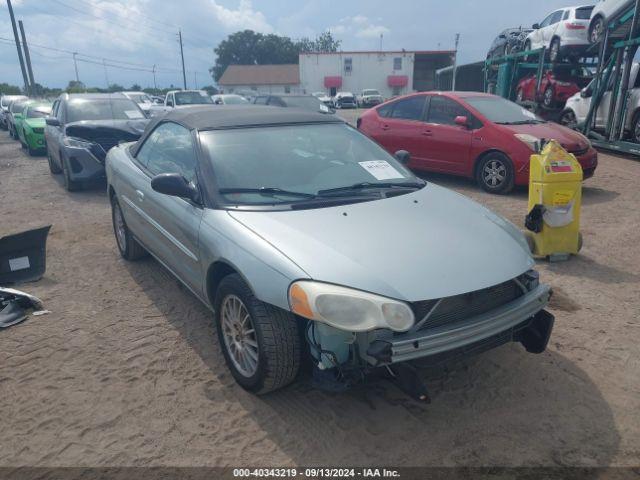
(85,165)
(521,320)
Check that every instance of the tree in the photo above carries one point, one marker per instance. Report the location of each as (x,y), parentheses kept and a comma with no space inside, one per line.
(75,86)
(7,89)
(252,48)
(210,89)
(135,87)
(324,43)
(114,87)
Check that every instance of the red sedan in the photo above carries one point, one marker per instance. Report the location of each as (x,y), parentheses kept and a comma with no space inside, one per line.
(554,89)
(471,134)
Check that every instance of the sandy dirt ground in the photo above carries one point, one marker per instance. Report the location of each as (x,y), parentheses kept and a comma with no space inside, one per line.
(127,369)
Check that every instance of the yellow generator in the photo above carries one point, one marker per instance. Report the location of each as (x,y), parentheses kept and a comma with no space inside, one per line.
(555,197)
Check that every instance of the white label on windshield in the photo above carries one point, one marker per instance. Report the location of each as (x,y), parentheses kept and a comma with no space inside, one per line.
(381,169)
(133,114)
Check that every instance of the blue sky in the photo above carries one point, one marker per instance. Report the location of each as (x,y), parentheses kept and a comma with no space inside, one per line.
(138,34)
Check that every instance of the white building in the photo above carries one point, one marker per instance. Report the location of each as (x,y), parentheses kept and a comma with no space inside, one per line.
(390,72)
(261,79)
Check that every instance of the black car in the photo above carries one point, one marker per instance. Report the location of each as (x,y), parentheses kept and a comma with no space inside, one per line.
(509,41)
(305,102)
(81,130)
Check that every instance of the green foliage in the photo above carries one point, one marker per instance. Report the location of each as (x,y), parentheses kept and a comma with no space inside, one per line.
(251,48)
(210,89)
(75,87)
(7,89)
(135,87)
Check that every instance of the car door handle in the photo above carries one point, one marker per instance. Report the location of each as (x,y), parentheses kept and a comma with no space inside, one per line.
(385,127)
(140,195)
(427,133)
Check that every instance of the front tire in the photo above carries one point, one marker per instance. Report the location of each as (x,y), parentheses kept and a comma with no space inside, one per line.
(596,30)
(261,343)
(568,119)
(635,132)
(548,98)
(495,173)
(53,167)
(128,246)
(69,184)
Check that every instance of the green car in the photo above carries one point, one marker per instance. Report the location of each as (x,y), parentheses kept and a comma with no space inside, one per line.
(30,126)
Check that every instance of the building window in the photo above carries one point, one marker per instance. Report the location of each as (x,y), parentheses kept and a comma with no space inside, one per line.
(397,63)
(348,65)
(287,89)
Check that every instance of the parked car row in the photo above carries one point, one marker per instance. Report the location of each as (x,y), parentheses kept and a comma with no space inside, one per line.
(24,118)
(253,207)
(565,33)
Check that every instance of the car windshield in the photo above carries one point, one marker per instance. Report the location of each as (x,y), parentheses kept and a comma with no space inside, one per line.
(306,102)
(79,109)
(140,98)
(234,100)
(192,98)
(500,110)
(295,163)
(39,112)
(370,92)
(17,107)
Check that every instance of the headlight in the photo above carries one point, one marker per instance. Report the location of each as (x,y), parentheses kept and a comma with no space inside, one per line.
(76,142)
(532,142)
(348,309)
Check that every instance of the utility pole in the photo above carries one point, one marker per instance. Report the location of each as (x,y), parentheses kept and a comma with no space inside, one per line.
(381,42)
(155,87)
(184,73)
(75,64)
(195,80)
(15,36)
(106,75)
(455,63)
(27,57)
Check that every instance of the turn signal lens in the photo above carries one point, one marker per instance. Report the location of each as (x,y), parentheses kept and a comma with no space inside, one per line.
(299,302)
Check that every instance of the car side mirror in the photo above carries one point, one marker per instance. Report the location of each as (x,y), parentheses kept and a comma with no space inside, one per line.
(535,26)
(585,93)
(52,121)
(175,185)
(403,156)
(462,121)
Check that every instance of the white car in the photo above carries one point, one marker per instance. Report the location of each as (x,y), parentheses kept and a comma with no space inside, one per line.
(229,99)
(577,107)
(324,98)
(603,12)
(142,99)
(563,32)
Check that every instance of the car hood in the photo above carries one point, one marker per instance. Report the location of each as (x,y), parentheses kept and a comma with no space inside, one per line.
(569,139)
(429,244)
(35,122)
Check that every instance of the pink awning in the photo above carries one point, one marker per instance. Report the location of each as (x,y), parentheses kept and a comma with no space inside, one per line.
(330,82)
(397,80)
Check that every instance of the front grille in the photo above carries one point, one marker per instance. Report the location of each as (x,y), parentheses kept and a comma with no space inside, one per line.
(38,130)
(462,307)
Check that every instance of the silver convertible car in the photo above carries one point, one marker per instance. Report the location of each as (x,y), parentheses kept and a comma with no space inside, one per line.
(308,240)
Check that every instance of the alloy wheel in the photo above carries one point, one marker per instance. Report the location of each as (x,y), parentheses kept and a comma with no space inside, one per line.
(494,173)
(548,97)
(568,119)
(239,335)
(636,132)
(120,228)
(596,30)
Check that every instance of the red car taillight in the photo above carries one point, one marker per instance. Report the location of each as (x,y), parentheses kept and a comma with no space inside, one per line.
(574,26)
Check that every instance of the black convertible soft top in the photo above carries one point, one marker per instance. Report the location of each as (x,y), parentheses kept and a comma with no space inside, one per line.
(213,117)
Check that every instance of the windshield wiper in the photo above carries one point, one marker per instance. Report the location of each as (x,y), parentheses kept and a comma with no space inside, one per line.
(267,191)
(367,185)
